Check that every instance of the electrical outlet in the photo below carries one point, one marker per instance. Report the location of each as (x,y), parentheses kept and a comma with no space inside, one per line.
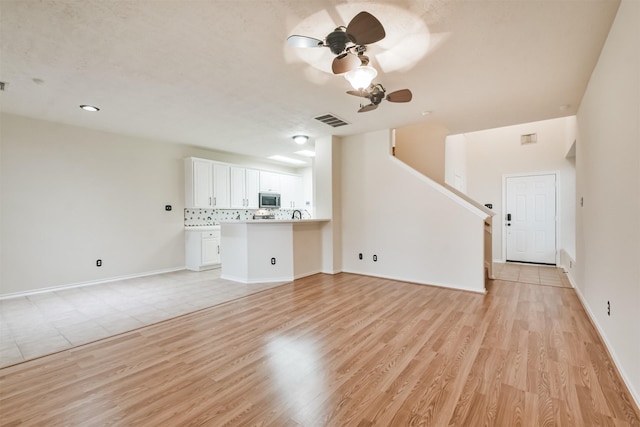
(99,263)
(608,308)
(360,256)
(273,261)
(167,207)
(375,258)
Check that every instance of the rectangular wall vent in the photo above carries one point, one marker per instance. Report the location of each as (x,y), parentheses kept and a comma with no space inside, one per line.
(530,138)
(331,120)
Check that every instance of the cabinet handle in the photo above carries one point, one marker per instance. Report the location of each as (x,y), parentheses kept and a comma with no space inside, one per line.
(218,249)
(210,201)
(215,202)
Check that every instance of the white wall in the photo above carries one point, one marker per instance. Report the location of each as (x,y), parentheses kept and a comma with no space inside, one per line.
(608,177)
(327,179)
(419,231)
(307,188)
(422,147)
(492,154)
(455,170)
(72,195)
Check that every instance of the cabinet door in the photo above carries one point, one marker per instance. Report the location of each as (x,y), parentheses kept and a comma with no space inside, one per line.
(237,188)
(252,187)
(270,182)
(210,250)
(216,255)
(202,184)
(221,186)
(291,192)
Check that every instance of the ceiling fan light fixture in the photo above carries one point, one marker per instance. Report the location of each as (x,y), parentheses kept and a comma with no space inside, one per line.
(361,77)
(300,139)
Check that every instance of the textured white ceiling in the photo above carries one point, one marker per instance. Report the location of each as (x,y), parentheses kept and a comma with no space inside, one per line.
(219,74)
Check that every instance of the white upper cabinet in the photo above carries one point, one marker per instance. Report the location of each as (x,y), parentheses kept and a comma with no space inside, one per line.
(244,188)
(206,184)
(270,182)
(215,185)
(252,186)
(291,192)
(221,197)
(198,183)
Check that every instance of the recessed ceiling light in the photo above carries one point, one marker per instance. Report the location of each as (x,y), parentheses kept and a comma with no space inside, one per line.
(289,160)
(300,139)
(89,108)
(426,113)
(306,153)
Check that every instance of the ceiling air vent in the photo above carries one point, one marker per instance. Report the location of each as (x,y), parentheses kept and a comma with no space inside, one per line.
(331,120)
(530,138)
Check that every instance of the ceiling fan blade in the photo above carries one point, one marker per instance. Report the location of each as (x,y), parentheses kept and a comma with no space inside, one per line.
(362,93)
(367,108)
(345,62)
(304,41)
(402,95)
(364,28)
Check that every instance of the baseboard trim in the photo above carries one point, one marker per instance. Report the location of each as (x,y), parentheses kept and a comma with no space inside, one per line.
(612,354)
(416,282)
(246,281)
(89,283)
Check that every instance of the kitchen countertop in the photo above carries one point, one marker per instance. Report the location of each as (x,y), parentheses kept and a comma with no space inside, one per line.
(203,228)
(253,221)
(273,221)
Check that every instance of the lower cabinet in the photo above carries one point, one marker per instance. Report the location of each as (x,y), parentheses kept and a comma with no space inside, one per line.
(202,249)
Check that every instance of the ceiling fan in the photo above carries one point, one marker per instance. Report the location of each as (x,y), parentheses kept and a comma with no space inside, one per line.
(376,94)
(347,43)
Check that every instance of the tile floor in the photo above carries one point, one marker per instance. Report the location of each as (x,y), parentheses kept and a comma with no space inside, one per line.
(40,324)
(535,274)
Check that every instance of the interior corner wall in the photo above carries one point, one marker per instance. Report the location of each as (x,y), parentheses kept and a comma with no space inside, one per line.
(494,153)
(608,178)
(404,219)
(422,147)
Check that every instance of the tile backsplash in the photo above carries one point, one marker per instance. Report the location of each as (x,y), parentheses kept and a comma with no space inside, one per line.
(195,217)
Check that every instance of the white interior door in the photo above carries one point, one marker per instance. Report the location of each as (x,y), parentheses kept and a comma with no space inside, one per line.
(530,221)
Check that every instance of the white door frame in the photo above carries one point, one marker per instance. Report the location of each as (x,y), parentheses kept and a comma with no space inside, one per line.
(504,209)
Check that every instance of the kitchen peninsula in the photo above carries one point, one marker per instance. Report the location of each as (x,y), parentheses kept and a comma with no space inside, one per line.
(271,250)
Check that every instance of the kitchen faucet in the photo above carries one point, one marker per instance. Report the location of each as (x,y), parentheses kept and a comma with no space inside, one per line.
(294,214)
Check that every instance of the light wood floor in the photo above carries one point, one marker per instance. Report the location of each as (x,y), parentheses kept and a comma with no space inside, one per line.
(341,350)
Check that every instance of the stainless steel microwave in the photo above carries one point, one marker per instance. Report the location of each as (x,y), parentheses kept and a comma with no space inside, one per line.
(269,200)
